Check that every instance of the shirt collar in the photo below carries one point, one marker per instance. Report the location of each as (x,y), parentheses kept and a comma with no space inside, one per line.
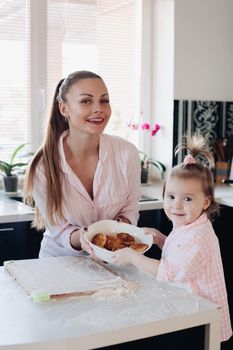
(199,221)
(103,150)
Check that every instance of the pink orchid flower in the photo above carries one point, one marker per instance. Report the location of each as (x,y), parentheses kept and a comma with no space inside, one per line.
(155,130)
(145,126)
(133,126)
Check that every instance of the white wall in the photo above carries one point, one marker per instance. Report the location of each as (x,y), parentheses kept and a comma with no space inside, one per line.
(162,78)
(203,48)
(192,58)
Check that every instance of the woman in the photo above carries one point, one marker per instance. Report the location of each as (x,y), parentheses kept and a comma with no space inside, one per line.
(81,175)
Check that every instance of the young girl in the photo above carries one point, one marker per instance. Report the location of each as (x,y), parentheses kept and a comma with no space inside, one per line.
(190,254)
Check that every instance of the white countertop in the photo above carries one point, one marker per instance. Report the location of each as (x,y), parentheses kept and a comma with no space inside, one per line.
(223,194)
(96,321)
(15,211)
(153,190)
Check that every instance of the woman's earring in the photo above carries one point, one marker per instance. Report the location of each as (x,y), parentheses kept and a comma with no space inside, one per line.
(67,119)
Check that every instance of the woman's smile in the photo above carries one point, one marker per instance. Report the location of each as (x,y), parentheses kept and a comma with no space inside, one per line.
(96,120)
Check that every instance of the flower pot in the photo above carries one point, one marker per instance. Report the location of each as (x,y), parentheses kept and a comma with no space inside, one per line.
(10,183)
(221,171)
(144,175)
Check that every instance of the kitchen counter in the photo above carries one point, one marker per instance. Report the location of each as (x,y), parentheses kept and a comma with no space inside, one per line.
(92,322)
(223,195)
(12,210)
(154,191)
(15,211)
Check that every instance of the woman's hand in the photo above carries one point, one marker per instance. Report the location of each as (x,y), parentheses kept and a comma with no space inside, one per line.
(122,219)
(84,244)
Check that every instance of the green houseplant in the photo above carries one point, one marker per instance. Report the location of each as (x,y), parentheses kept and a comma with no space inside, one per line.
(146,162)
(11,169)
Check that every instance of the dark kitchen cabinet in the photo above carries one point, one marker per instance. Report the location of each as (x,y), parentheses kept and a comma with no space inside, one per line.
(19,241)
(223,228)
(13,241)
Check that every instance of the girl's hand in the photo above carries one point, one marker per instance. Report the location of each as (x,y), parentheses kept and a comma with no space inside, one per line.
(158,237)
(124,256)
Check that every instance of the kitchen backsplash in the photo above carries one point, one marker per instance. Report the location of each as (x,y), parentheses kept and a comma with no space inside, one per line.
(213,119)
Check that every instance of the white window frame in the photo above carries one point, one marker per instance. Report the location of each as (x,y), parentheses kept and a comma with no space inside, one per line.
(147,73)
(37,74)
(37,77)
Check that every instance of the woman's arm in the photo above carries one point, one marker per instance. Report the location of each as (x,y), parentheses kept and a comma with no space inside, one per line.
(64,233)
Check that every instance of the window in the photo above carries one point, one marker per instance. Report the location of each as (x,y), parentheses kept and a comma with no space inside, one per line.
(43,41)
(14,74)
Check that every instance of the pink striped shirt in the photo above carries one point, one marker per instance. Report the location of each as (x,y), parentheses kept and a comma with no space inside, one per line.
(116,191)
(191,257)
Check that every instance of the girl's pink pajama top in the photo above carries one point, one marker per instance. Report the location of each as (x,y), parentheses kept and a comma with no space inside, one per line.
(191,257)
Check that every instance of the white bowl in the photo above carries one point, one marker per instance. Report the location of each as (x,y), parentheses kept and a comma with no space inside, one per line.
(113,227)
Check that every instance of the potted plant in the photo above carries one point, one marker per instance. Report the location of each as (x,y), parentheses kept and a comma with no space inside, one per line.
(10,170)
(145,163)
(148,130)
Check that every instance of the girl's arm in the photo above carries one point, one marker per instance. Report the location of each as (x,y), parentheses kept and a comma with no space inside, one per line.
(128,256)
(158,237)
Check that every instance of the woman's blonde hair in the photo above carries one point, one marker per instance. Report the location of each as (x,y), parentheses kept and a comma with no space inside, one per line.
(200,169)
(49,154)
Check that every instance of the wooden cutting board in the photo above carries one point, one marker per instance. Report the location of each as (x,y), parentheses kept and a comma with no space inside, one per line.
(63,276)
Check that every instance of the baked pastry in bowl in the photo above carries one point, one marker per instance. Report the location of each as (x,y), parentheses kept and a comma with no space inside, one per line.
(107,236)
